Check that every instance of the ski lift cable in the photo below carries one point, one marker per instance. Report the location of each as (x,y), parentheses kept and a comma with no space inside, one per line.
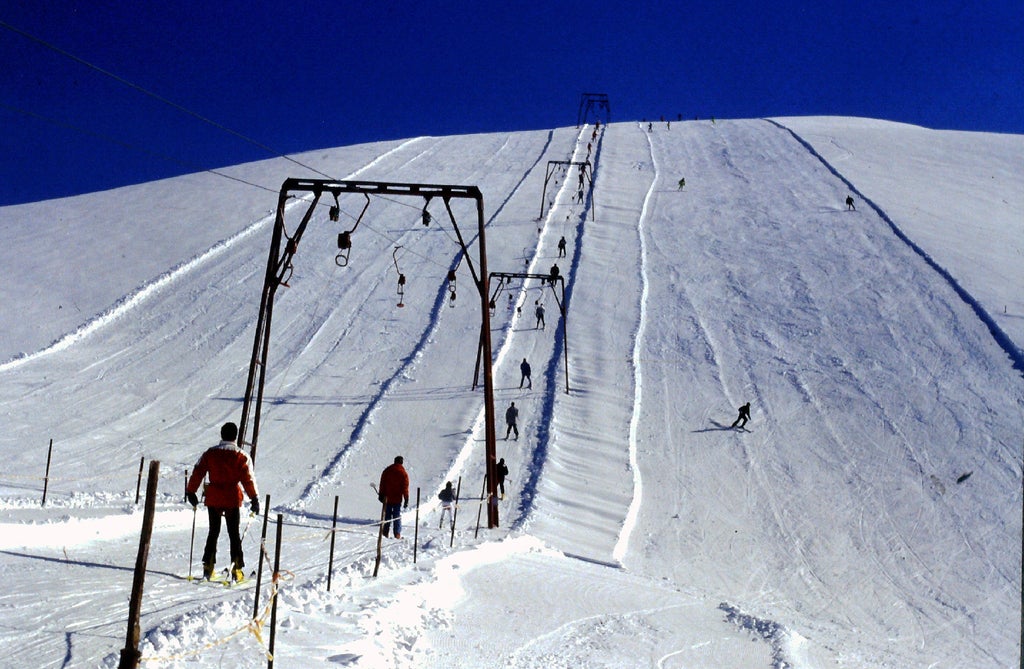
(194,114)
(427,216)
(393,241)
(134,147)
(156,96)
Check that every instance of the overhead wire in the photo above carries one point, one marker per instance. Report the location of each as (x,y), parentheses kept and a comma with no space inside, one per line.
(156,96)
(127,145)
(194,114)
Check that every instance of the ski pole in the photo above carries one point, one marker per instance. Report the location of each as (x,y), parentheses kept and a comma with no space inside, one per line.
(192,543)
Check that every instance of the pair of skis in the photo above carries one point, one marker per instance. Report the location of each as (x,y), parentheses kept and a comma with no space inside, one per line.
(223,581)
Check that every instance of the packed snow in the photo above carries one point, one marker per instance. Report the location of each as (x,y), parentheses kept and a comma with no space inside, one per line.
(869,514)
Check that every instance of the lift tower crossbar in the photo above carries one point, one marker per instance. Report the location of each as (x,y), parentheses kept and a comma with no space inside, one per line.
(586,174)
(559,299)
(279,264)
(592,102)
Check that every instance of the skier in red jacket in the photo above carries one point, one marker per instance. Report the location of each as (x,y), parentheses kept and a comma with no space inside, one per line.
(393,490)
(230,472)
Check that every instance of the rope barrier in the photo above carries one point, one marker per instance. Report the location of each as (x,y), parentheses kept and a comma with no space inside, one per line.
(98,477)
(253,626)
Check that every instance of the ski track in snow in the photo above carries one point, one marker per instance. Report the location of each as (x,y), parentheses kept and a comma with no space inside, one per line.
(632,514)
(543,434)
(1002,339)
(124,306)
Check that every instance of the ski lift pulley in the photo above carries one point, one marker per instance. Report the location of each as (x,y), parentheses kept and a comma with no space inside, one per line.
(451,288)
(345,246)
(345,238)
(335,211)
(426,214)
(401,277)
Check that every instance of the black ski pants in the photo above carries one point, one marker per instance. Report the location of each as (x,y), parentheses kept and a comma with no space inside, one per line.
(231,519)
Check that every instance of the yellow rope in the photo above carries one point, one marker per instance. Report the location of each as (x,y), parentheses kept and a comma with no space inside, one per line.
(254,627)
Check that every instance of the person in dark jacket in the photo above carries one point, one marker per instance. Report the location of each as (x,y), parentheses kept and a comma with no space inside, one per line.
(744,416)
(524,368)
(230,472)
(447,497)
(554,274)
(561,247)
(511,416)
(392,492)
(501,471)
(849,203)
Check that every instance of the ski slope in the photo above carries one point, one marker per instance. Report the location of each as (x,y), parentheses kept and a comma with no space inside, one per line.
(880,349)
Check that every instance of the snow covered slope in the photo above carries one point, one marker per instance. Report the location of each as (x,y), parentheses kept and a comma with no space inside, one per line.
(869,516)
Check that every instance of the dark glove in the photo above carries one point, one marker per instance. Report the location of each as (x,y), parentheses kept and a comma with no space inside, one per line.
(192,499)
(381,498)
(255,505)
(407,504)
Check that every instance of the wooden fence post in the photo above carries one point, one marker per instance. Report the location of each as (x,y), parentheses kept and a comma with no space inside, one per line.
(46,479)
(483,491)
(380,537)
(138,486)
(263,554)
(334,528)
(130,655)
(416,530)
(455,512)
(273,605)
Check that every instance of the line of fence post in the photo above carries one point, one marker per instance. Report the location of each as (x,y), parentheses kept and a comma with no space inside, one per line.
(263,554)
(273,604)
(380,537)
(416,529)
(480,509)
(455,512)
(334,532)
(130,655)
(138,486)
(46,479)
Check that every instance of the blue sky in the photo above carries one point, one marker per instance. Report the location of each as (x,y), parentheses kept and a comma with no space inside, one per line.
(300,76)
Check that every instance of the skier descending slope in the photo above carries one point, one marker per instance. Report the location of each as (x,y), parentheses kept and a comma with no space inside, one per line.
(743,417)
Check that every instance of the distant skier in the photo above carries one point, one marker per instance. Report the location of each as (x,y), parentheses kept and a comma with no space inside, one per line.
(561,247)
(554,273)
(744,416)
(524,368)
(511,417)
(849,203)
(230,472)
(540,316)
(682,183)
(447,497)
(393,490)
(501,470)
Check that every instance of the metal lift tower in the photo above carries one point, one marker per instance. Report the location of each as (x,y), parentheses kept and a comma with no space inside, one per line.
(279,267)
